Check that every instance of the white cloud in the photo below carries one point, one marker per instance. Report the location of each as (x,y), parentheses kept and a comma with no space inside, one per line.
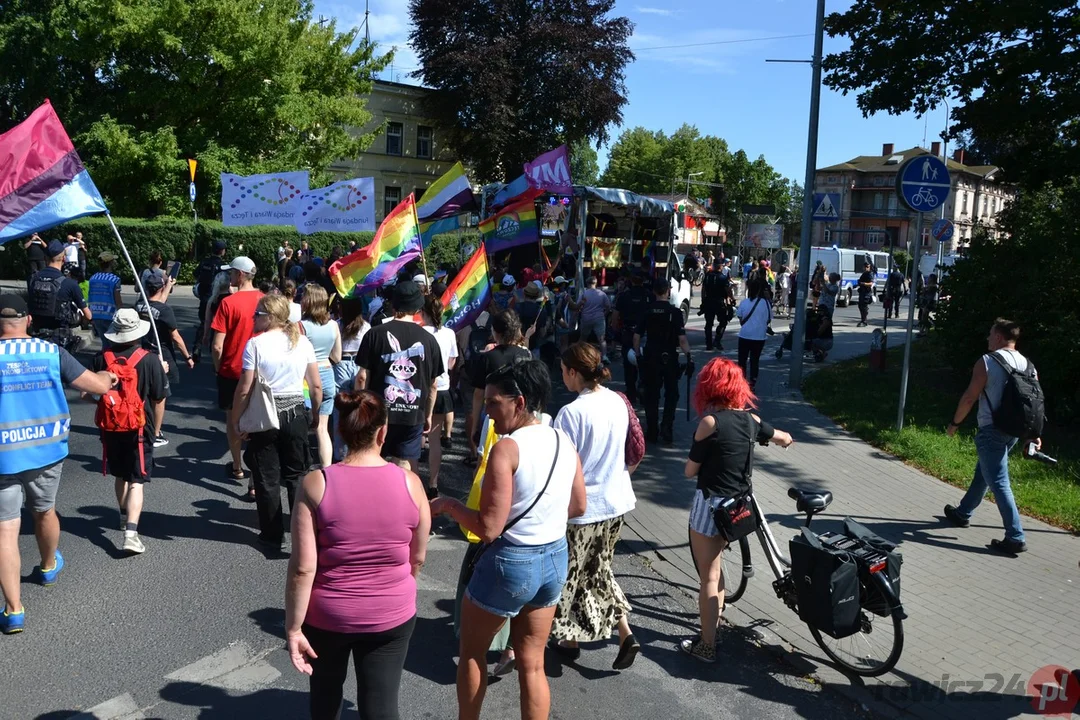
(654,11)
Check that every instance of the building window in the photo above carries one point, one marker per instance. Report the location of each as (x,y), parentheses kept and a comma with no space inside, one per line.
(983,213)
(963,203)
(425,140)
(419,193)
(391,199)
(892,203)
(831,180)
(879,181)
(925,236)
(394,132)
(879,201)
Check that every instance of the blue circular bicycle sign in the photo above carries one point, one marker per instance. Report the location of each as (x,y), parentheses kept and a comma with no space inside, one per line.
(923,183)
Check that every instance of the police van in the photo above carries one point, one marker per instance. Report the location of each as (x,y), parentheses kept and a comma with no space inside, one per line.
(848,262)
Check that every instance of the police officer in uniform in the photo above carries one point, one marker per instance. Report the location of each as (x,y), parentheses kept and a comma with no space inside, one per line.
(630,309)
(666,336)
(33,444)
(716,301)
(56,302)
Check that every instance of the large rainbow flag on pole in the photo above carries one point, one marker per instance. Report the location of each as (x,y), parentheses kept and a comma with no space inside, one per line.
(469,294)
(395,245)
(42,179)
(513,225)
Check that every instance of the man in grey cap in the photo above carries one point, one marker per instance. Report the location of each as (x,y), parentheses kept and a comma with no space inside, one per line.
(401,361)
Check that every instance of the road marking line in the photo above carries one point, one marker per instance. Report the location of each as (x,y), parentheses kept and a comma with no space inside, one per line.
(121,707)
(236,667)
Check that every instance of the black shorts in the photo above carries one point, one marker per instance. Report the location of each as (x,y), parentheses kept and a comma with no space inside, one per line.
(444,404)
(403,441)
(123,458)
(226,389)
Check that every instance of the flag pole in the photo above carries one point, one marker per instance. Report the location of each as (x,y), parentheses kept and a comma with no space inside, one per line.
(423,255)
(138,286)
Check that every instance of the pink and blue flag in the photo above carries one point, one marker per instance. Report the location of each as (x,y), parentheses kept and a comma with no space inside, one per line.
(42,179)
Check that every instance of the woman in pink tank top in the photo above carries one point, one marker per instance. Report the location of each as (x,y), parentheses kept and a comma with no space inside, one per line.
(360,532)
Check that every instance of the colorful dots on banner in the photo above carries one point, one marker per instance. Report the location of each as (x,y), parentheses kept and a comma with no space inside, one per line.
(350,202)
(281,199)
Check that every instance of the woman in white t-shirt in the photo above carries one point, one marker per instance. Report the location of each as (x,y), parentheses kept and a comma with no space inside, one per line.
(283,358)
(755,314)
(443,414)
(598,421)
(533,484)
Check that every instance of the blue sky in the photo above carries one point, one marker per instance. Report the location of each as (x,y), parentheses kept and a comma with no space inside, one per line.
(725,90)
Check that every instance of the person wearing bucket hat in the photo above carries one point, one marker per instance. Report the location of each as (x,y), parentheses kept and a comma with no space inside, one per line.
(233,326)
(34,449)
(402,362)
(129,455)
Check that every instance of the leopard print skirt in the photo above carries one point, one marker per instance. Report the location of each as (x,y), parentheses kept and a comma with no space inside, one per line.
(592,601)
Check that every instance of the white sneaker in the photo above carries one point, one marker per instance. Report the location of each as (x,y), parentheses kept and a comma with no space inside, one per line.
(134,544)
(160,441)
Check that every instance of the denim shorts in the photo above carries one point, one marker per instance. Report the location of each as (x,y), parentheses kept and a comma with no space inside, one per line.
(508,577)
(329,390)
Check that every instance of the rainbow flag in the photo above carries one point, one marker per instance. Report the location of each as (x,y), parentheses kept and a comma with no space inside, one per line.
(512,226)
(470,292)
(396,244)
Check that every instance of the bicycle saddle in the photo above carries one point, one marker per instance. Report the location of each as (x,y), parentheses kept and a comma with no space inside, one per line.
(809,501)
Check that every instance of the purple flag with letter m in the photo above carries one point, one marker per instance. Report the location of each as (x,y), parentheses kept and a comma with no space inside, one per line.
(551,171)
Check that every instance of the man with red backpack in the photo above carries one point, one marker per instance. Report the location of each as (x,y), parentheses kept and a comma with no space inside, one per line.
(125,417)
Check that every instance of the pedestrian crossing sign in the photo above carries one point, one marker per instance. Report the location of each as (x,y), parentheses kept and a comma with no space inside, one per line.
(826,207)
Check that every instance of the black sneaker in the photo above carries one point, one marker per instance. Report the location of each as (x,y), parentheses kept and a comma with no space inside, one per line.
(953,515)
(447,443)
(1009,547)
(666,436)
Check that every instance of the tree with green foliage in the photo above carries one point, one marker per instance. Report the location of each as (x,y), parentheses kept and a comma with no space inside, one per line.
(240,85)
(652,162)
(515,78)
(1012,65)
(584,163)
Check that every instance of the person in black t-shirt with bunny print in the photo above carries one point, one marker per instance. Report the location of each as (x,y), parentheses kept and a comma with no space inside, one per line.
(401,361)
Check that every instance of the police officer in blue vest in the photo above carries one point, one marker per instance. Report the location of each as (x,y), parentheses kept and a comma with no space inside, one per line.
(34,424)
(666,336)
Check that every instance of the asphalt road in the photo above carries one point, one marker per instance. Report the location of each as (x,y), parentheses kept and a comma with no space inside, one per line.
(193,628)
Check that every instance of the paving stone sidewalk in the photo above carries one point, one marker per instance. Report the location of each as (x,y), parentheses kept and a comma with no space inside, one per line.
(979,624)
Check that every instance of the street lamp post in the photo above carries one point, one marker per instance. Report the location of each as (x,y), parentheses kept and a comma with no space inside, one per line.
(803,285)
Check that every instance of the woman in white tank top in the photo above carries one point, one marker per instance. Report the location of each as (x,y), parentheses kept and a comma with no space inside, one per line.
(532,486)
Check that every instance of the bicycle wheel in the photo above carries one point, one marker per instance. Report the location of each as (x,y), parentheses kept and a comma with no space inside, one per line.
(732,560)
(872,651)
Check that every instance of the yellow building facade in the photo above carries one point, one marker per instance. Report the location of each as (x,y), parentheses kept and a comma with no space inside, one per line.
(407,155)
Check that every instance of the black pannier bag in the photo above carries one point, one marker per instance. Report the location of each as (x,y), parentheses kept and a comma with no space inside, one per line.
(893,560)
(826,586)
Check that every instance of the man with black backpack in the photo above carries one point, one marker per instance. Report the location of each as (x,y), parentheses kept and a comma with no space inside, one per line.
(1011,408)
(205,273)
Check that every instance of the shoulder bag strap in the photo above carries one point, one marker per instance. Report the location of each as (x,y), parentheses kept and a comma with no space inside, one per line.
(539,495)
(751,313)
(748,470)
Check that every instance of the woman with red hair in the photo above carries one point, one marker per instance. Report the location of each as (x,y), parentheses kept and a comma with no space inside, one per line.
(722,459)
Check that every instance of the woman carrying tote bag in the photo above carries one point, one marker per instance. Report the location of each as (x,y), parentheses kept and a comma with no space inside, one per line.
(282,359)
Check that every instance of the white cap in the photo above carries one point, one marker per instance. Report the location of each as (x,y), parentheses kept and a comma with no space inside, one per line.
(420,279)
(241,263)
(509,280)
(559,280)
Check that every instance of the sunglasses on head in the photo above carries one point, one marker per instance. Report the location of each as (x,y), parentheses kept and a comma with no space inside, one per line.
(261,313)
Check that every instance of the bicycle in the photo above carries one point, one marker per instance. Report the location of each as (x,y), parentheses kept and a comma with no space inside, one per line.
(924,195)
(881,613)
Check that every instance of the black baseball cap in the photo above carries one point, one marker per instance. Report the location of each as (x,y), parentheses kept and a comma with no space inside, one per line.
(54,248)
(407,297)
(13,306)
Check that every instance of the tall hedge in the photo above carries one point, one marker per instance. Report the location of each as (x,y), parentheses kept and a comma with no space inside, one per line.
(189,242)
